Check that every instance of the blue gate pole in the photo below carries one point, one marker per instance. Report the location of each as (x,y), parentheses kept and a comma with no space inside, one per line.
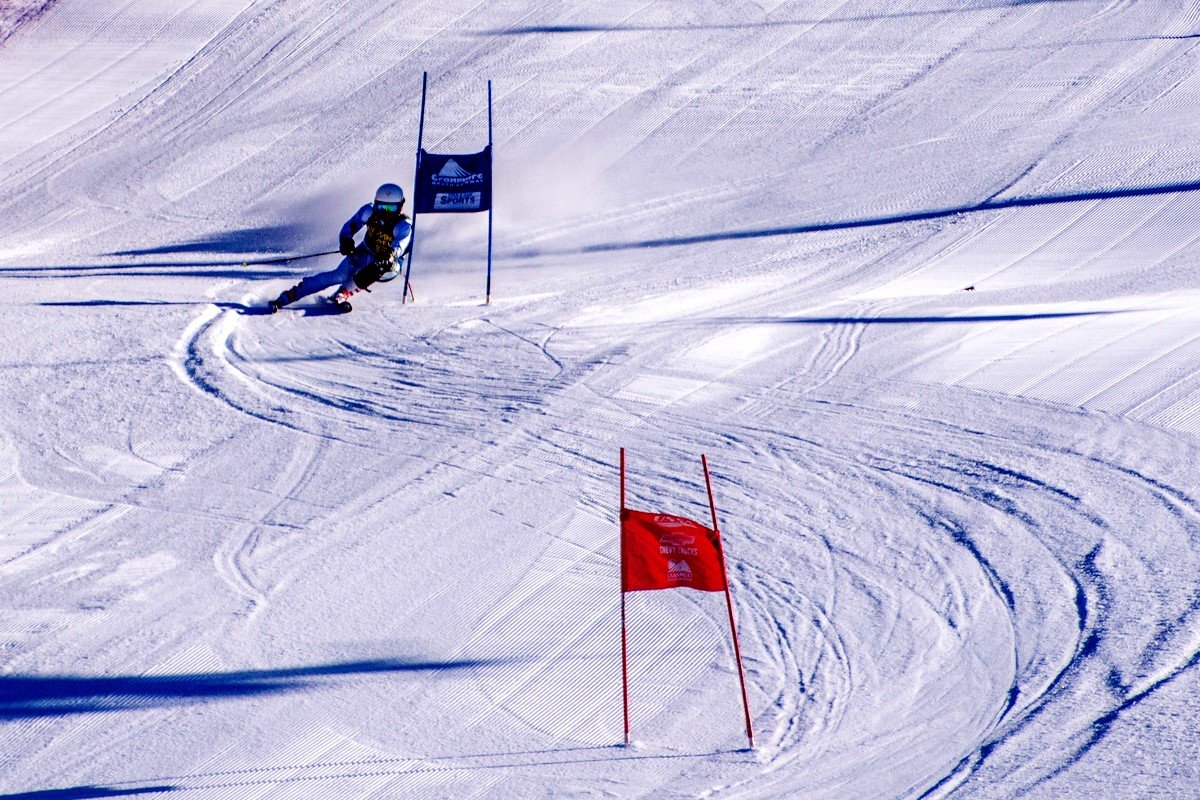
(491,198)
(412,244)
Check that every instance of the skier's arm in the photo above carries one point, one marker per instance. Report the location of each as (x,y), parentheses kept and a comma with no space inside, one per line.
(401,239)
(353,226)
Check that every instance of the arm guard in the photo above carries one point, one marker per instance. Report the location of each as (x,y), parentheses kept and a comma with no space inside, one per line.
(354,225)
(402,239)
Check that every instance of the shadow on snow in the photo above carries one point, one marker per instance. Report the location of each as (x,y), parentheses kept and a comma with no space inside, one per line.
(245,240)
(868,222)
(31,696)
(735,26)
(84,793)
(236,270)
(241,308)
(914,319)
(912,216)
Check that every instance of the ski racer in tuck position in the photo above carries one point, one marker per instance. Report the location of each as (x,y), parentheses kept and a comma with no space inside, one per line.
(388,237)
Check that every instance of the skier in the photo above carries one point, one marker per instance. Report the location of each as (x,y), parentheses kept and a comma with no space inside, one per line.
(388,236)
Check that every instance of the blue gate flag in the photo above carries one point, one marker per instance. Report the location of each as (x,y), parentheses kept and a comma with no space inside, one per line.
(454,183)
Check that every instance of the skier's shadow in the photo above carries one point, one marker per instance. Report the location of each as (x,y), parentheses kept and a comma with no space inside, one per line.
(321,310)
(245,310)
(240,308)
(257,310)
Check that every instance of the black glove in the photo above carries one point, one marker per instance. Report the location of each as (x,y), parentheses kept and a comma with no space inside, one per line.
(346,246)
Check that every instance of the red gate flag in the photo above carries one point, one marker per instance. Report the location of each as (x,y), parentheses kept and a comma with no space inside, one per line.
(661,551)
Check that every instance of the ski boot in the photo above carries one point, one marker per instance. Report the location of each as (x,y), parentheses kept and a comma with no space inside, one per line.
(289,296)
(342,300)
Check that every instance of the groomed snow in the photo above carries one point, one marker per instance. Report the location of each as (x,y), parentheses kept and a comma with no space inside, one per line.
(920,277)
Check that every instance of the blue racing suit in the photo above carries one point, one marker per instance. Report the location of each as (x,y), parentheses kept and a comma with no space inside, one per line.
(387,240)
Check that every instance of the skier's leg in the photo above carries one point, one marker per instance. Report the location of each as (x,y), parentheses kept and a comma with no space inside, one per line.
(349,285)
(315,283)
(345,291)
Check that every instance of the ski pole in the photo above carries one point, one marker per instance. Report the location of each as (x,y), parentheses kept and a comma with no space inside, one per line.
(287,259)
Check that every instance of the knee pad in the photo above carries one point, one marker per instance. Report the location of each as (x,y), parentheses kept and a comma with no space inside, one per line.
(368,275)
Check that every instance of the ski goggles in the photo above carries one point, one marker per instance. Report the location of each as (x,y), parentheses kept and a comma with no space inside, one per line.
(390,208)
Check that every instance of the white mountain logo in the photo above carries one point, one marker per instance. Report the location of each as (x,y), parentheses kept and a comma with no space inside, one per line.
(452,174)
(679,572)
(452,169)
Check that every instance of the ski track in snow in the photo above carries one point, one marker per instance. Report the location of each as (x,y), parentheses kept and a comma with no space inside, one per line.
(375,555)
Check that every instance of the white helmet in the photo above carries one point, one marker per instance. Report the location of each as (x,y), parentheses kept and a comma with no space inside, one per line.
(389,194)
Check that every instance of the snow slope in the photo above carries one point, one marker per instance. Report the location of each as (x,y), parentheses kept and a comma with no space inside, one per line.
(374,556)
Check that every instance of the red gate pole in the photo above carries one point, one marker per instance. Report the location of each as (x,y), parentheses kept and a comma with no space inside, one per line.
(737,650)
(624,645)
